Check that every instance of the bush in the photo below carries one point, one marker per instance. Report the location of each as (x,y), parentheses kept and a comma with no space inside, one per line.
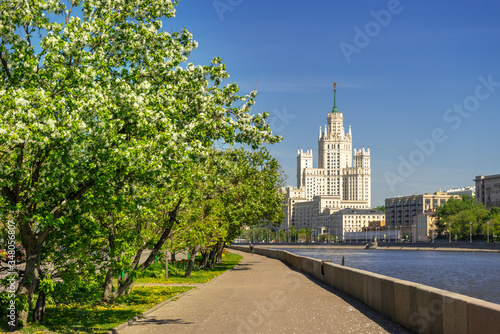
(155,270)
(76,290)
(183,264)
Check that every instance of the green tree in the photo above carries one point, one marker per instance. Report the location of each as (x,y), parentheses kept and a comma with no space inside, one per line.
(451,207)
(381,208)
(98,99)
(468,221)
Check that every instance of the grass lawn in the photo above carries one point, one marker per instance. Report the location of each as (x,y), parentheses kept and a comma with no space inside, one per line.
(229,261)
(77,318)
(93,317)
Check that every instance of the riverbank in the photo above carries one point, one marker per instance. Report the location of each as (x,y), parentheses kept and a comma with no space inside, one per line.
(438,246)
(418,307)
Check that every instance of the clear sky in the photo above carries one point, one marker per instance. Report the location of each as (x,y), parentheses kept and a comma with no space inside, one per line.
(418,81)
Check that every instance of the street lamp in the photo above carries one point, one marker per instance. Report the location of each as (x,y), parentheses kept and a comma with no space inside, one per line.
(488,229)
(432,231)
(470,231)
(449,230)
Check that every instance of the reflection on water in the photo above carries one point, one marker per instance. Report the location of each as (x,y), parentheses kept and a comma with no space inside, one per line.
(475,274)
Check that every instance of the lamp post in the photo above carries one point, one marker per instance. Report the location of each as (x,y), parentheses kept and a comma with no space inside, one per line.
(488,229)
(432,227)
(414,232)
(449,230)
(470,231)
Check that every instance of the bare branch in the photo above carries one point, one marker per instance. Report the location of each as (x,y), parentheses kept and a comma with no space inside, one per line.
(68,14)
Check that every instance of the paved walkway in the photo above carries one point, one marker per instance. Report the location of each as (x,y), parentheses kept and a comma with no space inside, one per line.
(263,295)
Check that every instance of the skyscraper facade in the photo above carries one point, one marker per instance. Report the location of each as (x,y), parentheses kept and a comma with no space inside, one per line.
(342,178)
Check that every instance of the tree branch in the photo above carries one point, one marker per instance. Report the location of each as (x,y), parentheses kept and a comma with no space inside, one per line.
(83,188)
(5,65)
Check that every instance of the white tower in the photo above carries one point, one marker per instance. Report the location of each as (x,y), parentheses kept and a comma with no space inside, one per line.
(304,160)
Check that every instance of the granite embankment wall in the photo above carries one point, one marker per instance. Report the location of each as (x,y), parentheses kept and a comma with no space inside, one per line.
(418,307)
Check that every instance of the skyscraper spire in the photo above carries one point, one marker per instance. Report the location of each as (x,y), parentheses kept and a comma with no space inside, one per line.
(334,110)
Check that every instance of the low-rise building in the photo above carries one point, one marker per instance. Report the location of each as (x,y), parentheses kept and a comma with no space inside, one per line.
(425,226)
(338,223)
(400,211)
(469,190)
(293,195)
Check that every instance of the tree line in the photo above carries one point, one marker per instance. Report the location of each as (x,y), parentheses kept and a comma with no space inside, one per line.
(465,217)
(111,146)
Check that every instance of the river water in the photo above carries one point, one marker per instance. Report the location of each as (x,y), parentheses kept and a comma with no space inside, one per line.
(475,274)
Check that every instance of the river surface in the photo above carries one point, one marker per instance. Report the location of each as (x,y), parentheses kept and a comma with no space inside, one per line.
(475,274)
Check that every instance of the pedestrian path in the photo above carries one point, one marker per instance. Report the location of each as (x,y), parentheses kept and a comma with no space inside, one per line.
(263,295)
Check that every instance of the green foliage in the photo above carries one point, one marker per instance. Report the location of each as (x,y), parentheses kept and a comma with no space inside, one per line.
(77,290)
(466,217)
(381,208)
(89,317)
(107,138)
(176,275)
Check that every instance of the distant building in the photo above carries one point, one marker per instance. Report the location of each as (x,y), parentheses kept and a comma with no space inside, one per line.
(401,211)
(469,190)
(488,190)
(425,225)
(355,220)
(293,196)
(338,223)
(341,180)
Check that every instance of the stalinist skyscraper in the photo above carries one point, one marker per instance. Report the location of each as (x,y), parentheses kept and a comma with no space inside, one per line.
(343,176)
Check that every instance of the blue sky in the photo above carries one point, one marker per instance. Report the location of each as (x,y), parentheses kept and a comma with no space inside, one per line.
(418,81)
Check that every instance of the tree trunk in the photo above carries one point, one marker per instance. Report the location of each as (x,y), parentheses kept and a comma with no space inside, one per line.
(172,257)
(189,269)
(123,288)
(211,258)
(127,281)
(220,248)
(108,286)
(166,265)
(29,281)
(204,260)
(108,281)
(39,312)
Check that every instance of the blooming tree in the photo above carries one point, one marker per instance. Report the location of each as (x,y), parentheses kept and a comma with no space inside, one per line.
(93,91)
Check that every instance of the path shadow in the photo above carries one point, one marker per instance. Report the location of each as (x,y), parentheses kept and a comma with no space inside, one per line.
(243,266)
(383,321)
(152,321)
